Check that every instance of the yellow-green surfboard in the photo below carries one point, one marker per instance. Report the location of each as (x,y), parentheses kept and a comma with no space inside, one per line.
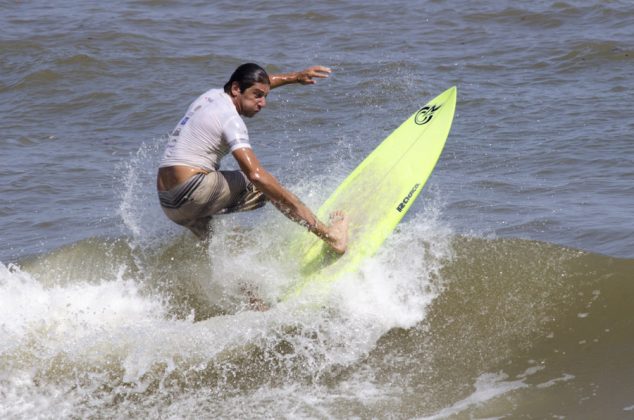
(378,193)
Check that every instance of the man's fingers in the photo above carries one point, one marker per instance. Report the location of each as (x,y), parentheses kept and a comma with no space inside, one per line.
(319,71)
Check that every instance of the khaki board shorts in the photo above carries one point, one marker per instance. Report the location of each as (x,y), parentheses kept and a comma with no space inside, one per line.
(193,203)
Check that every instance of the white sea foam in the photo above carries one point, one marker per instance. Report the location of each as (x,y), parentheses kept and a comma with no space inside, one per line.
(487,387)
(139,208)
(114,333)
(57,318)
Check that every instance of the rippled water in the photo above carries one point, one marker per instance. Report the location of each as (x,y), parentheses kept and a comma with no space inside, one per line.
(504,292)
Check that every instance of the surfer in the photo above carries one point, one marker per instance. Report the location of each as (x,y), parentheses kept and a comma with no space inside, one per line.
(191,186)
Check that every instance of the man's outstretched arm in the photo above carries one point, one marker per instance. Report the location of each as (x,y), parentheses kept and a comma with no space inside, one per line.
(304,77)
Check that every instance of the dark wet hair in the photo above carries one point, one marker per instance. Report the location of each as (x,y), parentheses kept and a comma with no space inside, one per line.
(247,75)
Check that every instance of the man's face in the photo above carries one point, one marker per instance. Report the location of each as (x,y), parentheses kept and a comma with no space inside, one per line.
(252,100)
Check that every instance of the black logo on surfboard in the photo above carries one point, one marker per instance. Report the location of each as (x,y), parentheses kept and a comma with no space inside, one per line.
(425,114)
(408,197)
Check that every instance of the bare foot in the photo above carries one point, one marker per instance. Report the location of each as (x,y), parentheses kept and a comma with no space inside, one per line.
(255,303)
(338,231)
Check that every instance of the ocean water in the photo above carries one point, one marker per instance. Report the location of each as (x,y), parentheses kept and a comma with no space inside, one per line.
(505,292)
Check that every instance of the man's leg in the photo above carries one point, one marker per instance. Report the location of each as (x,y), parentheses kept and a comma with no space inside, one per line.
(200,227)
(250,199)
(214,193)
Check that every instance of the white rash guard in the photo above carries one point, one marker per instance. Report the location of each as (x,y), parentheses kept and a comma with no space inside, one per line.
(210,130)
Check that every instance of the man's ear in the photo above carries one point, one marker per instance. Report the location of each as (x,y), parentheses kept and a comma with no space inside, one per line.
(235,89)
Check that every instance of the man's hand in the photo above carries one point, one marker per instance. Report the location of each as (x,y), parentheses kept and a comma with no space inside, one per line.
(306,77)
